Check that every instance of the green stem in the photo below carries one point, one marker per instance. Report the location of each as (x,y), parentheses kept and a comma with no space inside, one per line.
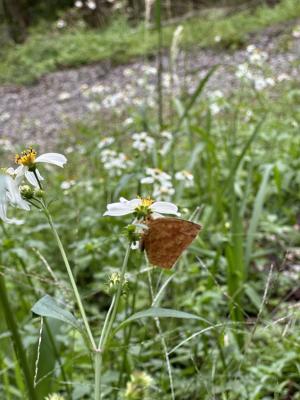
(71,277)
(98,356)
(117,299)
(104,330)
(108,324)
(18,345)
(162,338)
(98,371)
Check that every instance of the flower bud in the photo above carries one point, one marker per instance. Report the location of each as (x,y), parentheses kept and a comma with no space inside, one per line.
(138,386)
(114,281)
(54,396)
(27,192)
(39,193)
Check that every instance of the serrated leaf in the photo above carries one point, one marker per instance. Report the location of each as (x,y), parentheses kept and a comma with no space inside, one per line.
(47,306)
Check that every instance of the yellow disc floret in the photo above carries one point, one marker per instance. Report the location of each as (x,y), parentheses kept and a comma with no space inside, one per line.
(146,201)
(144,210)
(26,158)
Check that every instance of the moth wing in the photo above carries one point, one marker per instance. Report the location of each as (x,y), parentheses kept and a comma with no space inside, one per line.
(167,238)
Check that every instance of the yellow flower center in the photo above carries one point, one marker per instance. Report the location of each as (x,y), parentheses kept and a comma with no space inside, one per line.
(26,158)
(144,210)
(146,202)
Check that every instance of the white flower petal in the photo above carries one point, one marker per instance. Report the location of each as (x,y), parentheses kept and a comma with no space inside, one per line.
(13,194)
(116,212)
(52,158)
(20,171)
(134,203)
(164,207)
(31,178)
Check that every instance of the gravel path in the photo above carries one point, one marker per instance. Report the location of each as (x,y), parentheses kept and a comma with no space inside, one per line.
(39,113)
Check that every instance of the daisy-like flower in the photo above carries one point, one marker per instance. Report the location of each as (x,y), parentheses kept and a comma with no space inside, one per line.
(27,161)
(10,195)
(143,142)
(141,208)
(186,177)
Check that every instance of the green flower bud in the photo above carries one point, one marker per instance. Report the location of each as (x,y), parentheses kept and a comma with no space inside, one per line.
(138,386)
(27,192)
(54,396)
(39,193)
(114,281)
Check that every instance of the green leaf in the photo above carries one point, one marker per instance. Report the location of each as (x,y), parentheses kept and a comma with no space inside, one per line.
(256,214)
(47,306)
(157,312)
(253,296)
(196,94)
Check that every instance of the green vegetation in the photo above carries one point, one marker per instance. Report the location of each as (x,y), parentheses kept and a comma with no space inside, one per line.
(224,322)
(239,275)
(49,48)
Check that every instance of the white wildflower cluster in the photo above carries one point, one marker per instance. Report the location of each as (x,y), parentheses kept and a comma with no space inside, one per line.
(185,177)
(105,142)
(91,4)
(167,142)
(115,162)
(4,117)
(256,56)
(143,142)
(67,185)
(5,145)
(217,101)
(296,32)
(61,24)
(253,71)
(162,183)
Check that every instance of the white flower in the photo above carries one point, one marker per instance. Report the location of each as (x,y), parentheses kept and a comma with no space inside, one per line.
(162,183)
(4,117)
(114,162)
(283,77)
(63,96)
(61,23)
(296,32)
(93,106)
(107,141)
(5,144)
(27,161)
(214,108)
(142,142)
(243,72)
(91,5)
(66,185)
(78,4)
(125,207)
(10,195)
(186,177)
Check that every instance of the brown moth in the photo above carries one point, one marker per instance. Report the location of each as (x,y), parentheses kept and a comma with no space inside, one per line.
(166,239)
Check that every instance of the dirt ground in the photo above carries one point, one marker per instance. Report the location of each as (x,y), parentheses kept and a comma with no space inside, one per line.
(38,114)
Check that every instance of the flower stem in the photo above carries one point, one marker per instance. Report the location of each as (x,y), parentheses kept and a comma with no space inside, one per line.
(162,339)
(107,327)
(71,277)
(98,373)
(117,299)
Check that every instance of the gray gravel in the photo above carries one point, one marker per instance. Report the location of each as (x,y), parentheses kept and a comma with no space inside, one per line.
(39,113)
